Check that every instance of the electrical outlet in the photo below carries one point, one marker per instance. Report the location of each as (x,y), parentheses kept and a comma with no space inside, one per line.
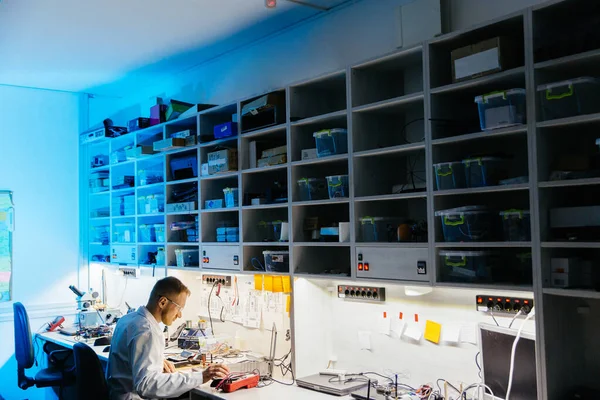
(363,293)
(224,280)
(503,304)
(130,272)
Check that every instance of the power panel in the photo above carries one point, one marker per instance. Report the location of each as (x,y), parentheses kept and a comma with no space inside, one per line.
(358,292)
(224,280)
(392,263)
(503,304)
(221,257)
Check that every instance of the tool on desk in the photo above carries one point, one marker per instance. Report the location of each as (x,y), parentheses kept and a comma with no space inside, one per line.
(103,341)
(56,323)
(263,365)
(332,385)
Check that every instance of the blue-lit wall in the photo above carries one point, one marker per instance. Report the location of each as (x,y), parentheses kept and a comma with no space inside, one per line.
(39,163)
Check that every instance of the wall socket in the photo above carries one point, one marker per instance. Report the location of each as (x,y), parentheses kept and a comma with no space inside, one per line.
(363,293)
(131,272)
(503,304)
(224,280)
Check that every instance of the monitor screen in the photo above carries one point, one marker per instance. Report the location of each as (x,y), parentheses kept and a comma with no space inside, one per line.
(496,347)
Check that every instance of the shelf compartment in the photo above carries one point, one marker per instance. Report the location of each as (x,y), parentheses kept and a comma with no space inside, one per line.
(390,173)
(192,255)
(263,111)
(511,130)
(254,260)
(122,177)
(390,150)
(393,76)
(208,119)
(320,262)
(320,171)
(182,165)
(258,225)
(264,131)
(501,78)
(318,96)
(309,220)
(252,149)
(392,219)
(586,280)
(147,253)
(302,135)
(223,218)
(269,185)
(182,229)
(182,194)
(123,203)
(213,190)
(182,124)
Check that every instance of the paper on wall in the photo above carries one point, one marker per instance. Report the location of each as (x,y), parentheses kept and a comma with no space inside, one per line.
(364,340)
(383,324)
(451,334)
(413,332)
(397,327)
(468,334)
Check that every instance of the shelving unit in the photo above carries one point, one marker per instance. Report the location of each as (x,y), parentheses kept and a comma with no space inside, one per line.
(403,114)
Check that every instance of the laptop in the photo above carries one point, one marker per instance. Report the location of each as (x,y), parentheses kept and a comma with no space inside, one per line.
(321,383)
(264,366)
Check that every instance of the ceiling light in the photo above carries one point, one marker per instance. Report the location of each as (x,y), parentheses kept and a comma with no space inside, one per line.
(417,290)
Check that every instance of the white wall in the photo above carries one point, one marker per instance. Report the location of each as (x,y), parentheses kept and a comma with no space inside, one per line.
(39,163)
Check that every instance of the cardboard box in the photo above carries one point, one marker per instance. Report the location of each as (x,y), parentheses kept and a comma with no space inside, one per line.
(168,144)
(225,130)
(222,161)
(275,160)
(274,152)
(204,169)
(183,134)
(181,207)
(479,59)
(191,140)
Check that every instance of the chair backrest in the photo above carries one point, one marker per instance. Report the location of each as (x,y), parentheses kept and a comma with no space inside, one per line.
(90,383)
(23,341)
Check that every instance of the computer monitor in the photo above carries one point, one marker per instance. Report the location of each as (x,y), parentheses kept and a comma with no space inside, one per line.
(496,345)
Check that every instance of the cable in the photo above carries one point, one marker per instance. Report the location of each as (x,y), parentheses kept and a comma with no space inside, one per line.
(123,294)
(479,386)
(210,316)
(494,318)
(513,352)
(515,317)
(253,260)
(477,363)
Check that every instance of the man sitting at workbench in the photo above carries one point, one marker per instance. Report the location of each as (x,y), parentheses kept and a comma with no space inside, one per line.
(136,365)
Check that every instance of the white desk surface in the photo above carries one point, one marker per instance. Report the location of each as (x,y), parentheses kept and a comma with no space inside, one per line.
(69,341)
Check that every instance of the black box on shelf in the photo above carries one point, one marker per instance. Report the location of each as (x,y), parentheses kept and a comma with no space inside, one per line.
(184,167)
(138,123)
(264,111)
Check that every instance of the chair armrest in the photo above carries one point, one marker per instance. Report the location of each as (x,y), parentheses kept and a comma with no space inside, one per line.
(60,357)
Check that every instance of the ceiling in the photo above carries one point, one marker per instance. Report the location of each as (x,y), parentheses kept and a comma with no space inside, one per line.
(87,46)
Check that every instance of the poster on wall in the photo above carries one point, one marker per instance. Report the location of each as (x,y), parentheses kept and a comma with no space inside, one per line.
(6,229)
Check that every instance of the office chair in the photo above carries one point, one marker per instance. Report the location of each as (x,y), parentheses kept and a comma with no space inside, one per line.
(55,375)
(90,383)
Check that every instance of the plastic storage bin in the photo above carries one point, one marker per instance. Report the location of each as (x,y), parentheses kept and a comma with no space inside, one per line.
(231,197)
(466,266)
(450,175)
(187,257)
(569,98)
(500,109)
(379,229)
(124,232)
(516,225)
(467,224)
(147,233)
(312,189)
(277,261)
(337,186)
(331,142)
(159,232)
(484,171)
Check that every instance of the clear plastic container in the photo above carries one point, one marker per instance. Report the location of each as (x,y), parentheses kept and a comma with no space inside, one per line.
(270,231)
(467,224)
(337,186)
(221,238)
(187,257)
(124,232)
(149,177)
(147,233)
(516,225)
(569,98)
(466,266)
(277,261)
(501,109)
(331,142)
(159,232)
(100,234)
(379,229)
(450,175)
(312,189)
(484,171)
(231,197)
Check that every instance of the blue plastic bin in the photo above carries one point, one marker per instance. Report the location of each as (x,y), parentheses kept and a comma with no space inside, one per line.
(467,224)
(331,142)
(450,175)
(466,266)
(231,197)
(502,108)
(484,171)
(312,189)
(337,186)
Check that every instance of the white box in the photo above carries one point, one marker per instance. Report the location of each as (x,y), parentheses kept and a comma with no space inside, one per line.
(123,254)
(344,232)
(309,154)
(221,257)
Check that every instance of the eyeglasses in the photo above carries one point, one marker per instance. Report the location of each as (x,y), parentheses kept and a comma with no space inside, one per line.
(176,305)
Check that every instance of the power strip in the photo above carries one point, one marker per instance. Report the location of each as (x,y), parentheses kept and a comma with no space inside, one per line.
(224,280)
(131,272)
(503,304)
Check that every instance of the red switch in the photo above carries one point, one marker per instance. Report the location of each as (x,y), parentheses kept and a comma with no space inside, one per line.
(360,266)
(366,266)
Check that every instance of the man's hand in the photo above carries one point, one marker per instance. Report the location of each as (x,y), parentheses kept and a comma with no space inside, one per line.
(215,371)
(168,367)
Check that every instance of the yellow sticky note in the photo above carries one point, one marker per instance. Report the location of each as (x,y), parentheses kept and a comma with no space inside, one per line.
(277,284)
(287,285)
(2,216)
(433,331)
(268,280)
(258,282)
(288,301)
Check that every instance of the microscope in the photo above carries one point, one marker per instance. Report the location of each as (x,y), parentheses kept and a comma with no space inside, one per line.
(91,311)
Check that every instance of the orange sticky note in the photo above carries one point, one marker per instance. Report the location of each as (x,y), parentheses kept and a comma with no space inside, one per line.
(287,284)
(268,281)
(258,282)
(433,331)
(277,284)
(287,304)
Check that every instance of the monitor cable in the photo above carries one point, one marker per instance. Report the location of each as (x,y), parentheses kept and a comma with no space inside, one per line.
(514,350)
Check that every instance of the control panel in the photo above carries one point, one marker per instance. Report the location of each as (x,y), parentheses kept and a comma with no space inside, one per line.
(357,292)
(503,304)
(392,263)
(224,280)
(221,257)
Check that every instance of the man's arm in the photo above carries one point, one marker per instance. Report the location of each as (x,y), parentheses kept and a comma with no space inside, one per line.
(149,380)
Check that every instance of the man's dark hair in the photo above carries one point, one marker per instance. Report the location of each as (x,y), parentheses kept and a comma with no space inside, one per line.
(168,287)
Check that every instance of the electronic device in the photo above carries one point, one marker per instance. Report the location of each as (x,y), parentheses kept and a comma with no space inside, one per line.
(264,366)
(392,263)
(189,338)
(221,257)
(325,384)
(56,323)
(103,341)
(496,345)
(241,382)
(503,304)
(177,332)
